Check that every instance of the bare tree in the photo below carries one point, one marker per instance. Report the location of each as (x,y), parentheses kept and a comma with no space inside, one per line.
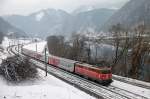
(56,45)
(140,48)
(122,44)
(77,49)
(116,31)
(97,42)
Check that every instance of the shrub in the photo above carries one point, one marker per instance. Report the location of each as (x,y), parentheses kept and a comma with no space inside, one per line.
(18,69)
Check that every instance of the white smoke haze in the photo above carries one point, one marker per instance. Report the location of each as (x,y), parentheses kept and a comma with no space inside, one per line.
(25,7)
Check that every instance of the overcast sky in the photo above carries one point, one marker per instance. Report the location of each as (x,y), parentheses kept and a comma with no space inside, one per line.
(25,7)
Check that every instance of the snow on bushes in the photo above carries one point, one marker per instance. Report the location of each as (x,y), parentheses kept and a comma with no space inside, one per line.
(17,69)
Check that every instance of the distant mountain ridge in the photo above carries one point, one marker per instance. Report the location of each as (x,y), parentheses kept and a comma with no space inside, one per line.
(130,15)
(83,9)
(6,28)
(58,22)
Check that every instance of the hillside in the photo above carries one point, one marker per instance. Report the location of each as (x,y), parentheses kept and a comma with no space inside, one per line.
(91,20)
(6,28)
(50,21)
(130,15)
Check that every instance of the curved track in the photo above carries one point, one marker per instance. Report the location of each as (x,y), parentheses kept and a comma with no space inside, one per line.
(95,89)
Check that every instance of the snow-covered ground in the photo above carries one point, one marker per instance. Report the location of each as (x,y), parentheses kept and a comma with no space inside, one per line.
(39,46)
(8,42)
(43,88)
(2,56)
(132,80)
(131,88)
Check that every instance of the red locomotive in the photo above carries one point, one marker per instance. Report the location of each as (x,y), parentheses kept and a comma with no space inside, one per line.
(101,74)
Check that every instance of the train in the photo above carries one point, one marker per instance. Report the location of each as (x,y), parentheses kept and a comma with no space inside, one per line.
(102,75)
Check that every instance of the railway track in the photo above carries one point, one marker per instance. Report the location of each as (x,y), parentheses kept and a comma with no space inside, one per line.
(9,50)
(128,93)
(130,82)
(95,89)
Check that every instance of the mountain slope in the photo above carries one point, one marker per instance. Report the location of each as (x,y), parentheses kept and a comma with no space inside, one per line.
(133,13)
(58,22)
(92,19)
(41,23)
(5,28)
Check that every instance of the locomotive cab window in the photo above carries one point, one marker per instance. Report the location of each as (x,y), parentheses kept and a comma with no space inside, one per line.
(105,71)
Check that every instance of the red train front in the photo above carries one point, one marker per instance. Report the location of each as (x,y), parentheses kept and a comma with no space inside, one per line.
(102,75)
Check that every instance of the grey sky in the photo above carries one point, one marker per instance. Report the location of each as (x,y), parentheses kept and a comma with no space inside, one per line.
(25,7)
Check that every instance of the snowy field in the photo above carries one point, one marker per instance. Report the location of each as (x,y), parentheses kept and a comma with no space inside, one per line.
(7,42)
(42,88)
(39,45)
